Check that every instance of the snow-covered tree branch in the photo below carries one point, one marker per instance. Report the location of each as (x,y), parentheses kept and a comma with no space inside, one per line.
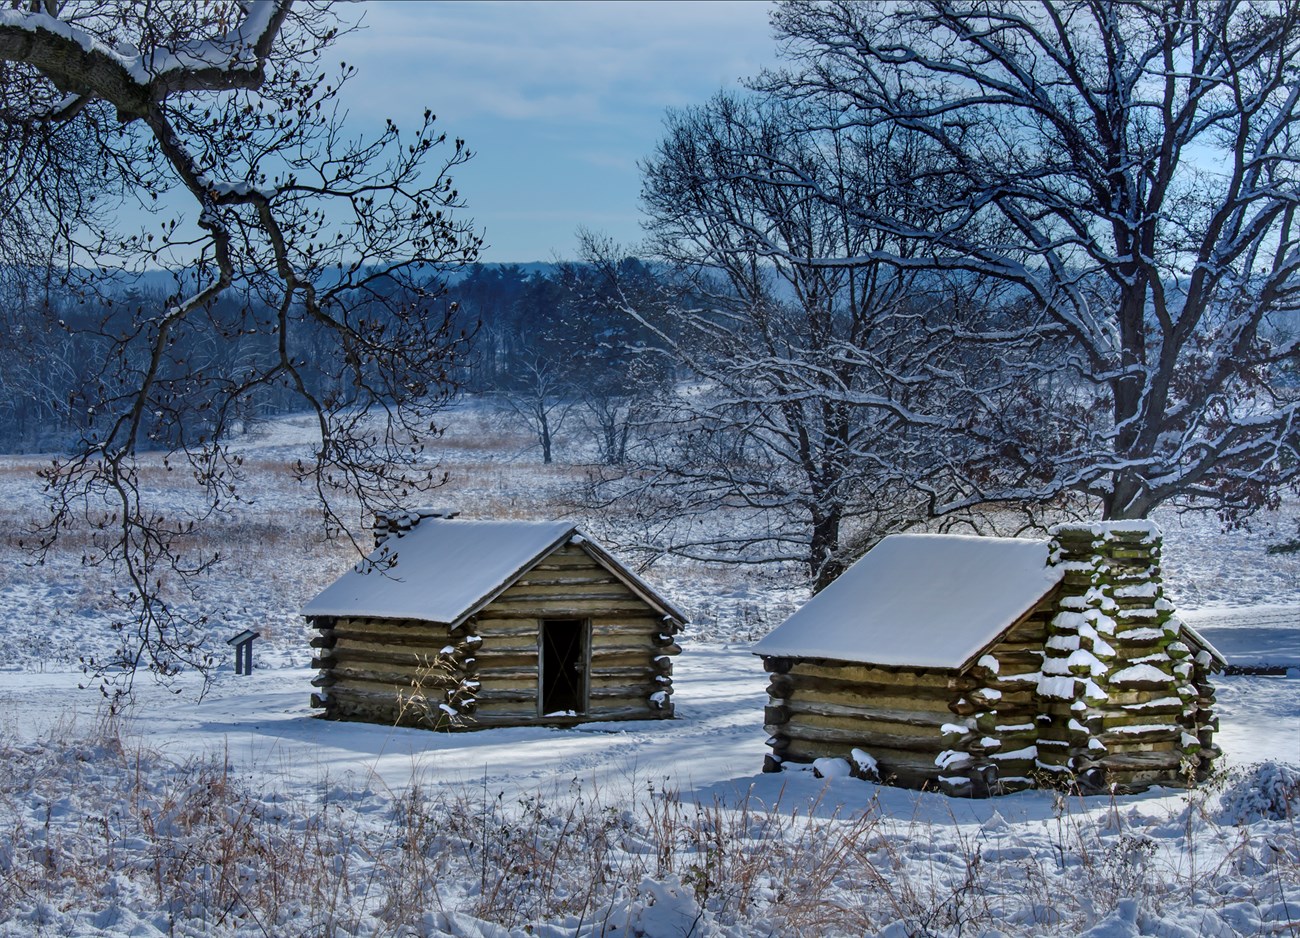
(814,399)
(315,251)
(1130,171)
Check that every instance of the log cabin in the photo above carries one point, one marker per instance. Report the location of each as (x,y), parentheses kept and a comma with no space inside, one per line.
(452,624)
(980,665)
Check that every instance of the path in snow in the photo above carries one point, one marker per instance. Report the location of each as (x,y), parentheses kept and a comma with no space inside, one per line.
(264,727)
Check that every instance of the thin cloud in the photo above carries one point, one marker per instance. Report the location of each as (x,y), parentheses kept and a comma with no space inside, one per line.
(558,100)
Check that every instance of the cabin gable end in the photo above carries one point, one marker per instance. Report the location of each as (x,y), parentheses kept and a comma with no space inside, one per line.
(567,637)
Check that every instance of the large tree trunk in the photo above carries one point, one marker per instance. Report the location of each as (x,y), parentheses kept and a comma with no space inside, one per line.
(824,560)
(544,435)
(1128,499)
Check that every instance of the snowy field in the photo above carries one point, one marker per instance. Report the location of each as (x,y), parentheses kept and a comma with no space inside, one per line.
(237,812)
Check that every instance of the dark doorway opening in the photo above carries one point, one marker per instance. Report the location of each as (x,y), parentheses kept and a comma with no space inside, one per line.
(564,667)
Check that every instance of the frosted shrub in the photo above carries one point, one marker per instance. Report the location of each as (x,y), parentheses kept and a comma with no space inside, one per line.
(1269,791)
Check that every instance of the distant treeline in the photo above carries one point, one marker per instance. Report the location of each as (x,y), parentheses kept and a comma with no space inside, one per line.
(556,321)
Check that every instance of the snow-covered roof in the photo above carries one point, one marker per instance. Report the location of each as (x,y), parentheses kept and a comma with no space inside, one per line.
(919,600)
(443,570)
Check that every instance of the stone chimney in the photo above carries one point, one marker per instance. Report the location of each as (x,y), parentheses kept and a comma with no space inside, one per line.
(1118,698)
(398,522)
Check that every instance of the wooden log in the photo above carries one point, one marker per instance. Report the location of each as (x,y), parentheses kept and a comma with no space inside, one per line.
(823,688)
(1031,629)
(535,595)
(436,637)
(521,677)
(1026,658)
(1164,715)
(866,713)
(823,730)
(899,767)
(394,679)
(623,689)
(514,627)
(505,645)
(517,709)
(322,641)
(876,676)
(387,654)
(626,708)
(963,707)
(484,720)
(1020,695)
(603,673)
(848,695)
(567,560)
(493,695)
(506,663)
(619,610)
(594,576)
(374,701)
(384,622)
(1116,740)
(1166,760)
(642,658)
(563,607)
(627,641)
(647,625)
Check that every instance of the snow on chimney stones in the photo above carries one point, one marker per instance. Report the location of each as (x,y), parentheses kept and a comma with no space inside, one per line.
(397,523)
(1123,700)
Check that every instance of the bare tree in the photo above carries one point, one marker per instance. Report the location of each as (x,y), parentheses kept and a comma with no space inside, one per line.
(1130,170)
(540,398)
(615,367)
(812,404)
(219,117)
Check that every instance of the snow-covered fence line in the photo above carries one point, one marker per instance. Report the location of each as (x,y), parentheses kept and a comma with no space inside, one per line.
(103,834)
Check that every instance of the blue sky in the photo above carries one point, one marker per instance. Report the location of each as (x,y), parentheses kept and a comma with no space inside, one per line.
(558,100)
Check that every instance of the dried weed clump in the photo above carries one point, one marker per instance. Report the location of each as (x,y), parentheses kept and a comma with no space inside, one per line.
(99,832)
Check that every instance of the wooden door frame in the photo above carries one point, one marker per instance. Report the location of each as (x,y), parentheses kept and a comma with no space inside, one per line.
(585,634)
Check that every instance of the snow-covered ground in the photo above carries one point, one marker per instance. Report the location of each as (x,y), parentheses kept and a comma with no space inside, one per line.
(239,812)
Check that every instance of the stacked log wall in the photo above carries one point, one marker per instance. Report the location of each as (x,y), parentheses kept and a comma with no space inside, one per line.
(1078,656)
(395,671)
(834,709)
(632,644)
(485,672)
(968,734)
